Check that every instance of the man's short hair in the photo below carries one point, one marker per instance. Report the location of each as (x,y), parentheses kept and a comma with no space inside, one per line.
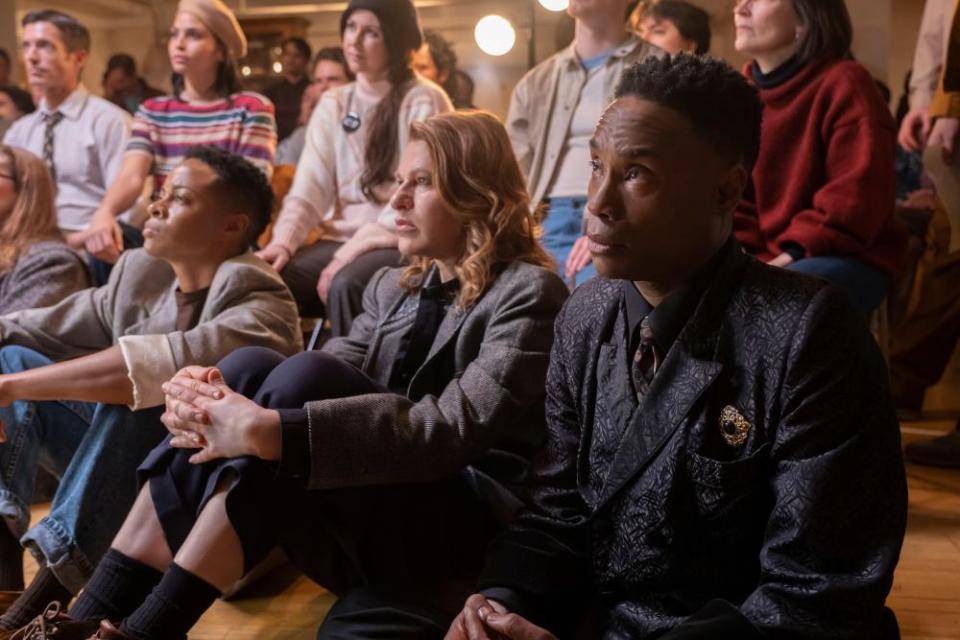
(301,45)
(75,36)
(717,100)
(691,21)
(244,186)
(124,62)
(332,54)
(22,99)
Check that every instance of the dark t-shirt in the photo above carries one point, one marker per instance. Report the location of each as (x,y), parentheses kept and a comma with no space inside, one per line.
(286,97)
(189,308)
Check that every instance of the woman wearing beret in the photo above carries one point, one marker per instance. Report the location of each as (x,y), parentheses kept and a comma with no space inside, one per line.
(207,108)
(344,178)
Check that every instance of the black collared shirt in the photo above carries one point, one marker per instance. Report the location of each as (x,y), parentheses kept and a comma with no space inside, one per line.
(669,317)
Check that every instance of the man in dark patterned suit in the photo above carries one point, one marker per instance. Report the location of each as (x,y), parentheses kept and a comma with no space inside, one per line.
(723,460)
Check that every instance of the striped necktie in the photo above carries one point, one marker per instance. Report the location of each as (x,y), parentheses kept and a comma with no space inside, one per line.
(50,120)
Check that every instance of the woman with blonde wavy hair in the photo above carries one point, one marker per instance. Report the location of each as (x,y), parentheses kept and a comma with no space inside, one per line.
(36,267)
(386,461)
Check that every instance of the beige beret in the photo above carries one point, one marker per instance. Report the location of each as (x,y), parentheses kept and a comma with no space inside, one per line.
(221,21)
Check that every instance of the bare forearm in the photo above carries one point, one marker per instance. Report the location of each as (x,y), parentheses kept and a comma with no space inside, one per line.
(127,186)
(101,377)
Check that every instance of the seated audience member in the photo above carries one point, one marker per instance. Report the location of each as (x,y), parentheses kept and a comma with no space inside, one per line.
(5,67)
(287,92)
(345,176)
(80,137)
(463,88)
(207,108)
(123,86)
(675,26)
(14,104)
(437,62)
(553,111)
(386,460)
(719,432)
(36,268)
(823,189)
(80,381)
(330,69)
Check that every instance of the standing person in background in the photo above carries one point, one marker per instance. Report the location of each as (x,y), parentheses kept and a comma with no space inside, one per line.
(675,26)
(823,189)
(927,337)
(286,93)
(14,104)
(208,107)
(553,112)
(345,176)
(5,67)
(330,70)
(36,268)
(123,86)
(80,137)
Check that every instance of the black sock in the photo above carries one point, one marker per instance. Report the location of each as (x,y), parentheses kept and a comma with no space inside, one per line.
(173,608)
(11,560)
(44,589)
(118,586)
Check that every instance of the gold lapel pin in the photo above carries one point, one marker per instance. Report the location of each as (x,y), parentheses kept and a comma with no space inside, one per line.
(733,427)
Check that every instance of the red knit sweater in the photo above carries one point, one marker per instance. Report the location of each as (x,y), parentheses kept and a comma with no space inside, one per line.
(825,176)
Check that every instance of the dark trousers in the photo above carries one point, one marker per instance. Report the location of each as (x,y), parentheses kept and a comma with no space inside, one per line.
(402,558)
(345,299)
(132,239)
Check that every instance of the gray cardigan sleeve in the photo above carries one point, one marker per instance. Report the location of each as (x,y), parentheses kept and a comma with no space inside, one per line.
(387,438)
(43,278)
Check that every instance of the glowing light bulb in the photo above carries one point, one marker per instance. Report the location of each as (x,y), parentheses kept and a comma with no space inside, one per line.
(495,35)
(555,5)
(245,71)
(278,67)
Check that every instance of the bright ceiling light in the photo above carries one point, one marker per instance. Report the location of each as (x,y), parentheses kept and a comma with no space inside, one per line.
(555,5)
(246,71)
(495,35)
(278,67)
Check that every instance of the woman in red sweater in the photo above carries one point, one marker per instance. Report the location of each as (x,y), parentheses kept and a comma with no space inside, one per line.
(823,188)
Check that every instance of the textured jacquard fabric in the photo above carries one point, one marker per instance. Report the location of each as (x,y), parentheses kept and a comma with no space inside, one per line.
(798,525)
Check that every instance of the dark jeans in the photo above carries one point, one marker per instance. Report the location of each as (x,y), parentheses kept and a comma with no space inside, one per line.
(402,558)
(345,299)
(132,239)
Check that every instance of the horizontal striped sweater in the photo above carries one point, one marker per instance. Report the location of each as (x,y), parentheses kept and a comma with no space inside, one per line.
(242,123)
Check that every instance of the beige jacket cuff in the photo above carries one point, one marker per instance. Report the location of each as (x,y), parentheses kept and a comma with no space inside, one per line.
(150,363)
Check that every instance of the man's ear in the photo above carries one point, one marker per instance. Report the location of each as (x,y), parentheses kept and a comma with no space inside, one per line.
(732,185)
(81,56)
(237,226)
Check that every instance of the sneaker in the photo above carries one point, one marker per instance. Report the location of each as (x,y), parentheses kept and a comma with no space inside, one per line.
(53,623)
(939,452)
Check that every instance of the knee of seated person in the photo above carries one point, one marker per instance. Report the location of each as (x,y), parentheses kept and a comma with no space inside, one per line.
(14,358)
(345,283)
(307,376)
(245,369)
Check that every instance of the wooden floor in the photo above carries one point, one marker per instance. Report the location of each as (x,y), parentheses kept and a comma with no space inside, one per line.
(926,592)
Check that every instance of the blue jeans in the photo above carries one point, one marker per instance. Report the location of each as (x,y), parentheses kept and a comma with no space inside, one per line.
(561,228)
(864,285)
(94,450)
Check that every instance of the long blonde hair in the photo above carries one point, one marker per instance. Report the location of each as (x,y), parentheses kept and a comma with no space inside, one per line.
(34,215)
(479,179)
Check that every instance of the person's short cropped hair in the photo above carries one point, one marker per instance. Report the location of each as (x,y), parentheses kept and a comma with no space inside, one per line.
(333,54)
(301,45)
(242,184)
(75,36)
(717,100)
(828,30)
(124,62)
(20,98)
(691,21)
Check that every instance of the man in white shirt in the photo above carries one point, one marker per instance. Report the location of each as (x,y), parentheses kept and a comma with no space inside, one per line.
(552,143)
(81,137)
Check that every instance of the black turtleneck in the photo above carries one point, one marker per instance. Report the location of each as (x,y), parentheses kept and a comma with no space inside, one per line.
(776,77)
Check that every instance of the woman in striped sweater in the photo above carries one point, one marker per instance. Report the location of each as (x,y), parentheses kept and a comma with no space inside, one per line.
(207,108)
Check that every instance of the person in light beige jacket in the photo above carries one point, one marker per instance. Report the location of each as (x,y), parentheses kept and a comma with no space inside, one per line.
(80,382)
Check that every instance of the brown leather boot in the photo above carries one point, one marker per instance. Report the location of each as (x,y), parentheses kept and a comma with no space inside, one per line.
(108,632)
(52,624)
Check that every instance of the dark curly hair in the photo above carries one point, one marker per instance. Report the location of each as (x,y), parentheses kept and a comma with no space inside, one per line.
(717,100)
(243,185)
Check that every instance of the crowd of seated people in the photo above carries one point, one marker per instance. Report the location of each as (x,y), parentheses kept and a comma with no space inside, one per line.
(600,369)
